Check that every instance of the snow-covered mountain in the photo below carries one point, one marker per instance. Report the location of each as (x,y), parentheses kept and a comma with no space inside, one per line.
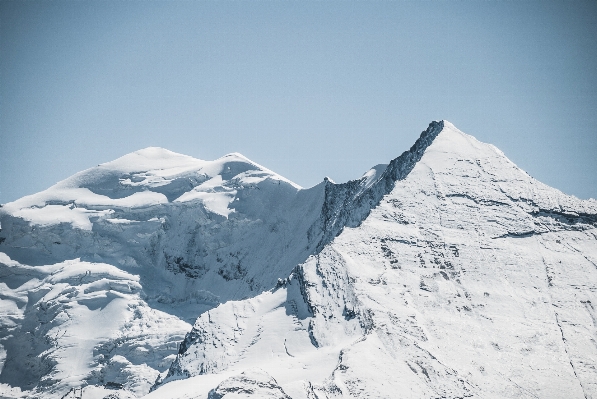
(447,273)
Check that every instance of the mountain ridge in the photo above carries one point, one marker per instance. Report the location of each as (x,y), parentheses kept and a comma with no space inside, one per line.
(267,267)
(425,243)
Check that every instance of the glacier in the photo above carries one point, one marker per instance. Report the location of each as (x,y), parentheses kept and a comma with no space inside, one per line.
(447,273)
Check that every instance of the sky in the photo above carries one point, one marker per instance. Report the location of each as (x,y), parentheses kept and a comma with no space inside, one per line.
(308,89)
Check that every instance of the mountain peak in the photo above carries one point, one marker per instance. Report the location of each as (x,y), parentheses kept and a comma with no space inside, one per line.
(447,124)
(237,155)
(153,152)
(461,146)
(151,158)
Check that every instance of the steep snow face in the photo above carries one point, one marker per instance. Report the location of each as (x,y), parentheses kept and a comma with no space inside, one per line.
(224,220)
(149,242)
(66,321)
(468,279)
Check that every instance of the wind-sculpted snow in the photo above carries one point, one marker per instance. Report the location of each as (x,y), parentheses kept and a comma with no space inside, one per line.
(447,273)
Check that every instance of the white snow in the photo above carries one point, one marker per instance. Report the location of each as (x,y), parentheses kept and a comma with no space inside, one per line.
(144,245)
(141,173)
(468,279)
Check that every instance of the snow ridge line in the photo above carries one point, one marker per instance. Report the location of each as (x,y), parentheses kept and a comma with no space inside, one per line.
(348,204)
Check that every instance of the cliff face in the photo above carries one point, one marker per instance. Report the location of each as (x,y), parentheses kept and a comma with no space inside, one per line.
(448,273)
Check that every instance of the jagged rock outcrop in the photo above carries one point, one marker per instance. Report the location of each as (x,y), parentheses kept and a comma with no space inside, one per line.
(249,384)
(348,204)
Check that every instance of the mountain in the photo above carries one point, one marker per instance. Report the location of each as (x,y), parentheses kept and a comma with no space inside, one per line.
(145,244)
(447,273)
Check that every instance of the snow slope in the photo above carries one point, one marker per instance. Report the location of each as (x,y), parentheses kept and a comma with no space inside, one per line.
(448,273)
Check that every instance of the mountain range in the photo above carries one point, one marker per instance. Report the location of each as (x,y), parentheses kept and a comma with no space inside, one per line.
(447,273)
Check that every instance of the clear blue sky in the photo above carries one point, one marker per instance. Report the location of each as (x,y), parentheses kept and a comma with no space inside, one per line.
(307,89)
